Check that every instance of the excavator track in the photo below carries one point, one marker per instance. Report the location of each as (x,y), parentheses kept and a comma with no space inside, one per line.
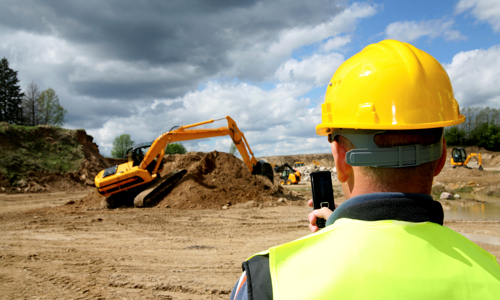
(150,195)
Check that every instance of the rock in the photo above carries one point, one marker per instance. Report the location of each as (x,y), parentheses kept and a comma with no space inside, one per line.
(35,187)
(472,183)
(83,177)
(22,183)
(322,169)
(2,189)
(224,207)
(445,195)
(457,196)
(281,200)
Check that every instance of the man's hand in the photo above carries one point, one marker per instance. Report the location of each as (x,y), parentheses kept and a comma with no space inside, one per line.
(323,213)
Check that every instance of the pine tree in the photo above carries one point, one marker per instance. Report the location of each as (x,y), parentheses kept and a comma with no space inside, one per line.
(11,96)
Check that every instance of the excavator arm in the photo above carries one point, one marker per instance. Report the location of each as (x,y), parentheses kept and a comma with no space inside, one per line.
(480,161)
(185,133)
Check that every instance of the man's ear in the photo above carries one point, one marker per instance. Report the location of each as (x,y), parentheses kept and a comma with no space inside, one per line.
(442,160)
(343,168)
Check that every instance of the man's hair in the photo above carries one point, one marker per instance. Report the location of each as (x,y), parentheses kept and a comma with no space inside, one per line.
(398,179)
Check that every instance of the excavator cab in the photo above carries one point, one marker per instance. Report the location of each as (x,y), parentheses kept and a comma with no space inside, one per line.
(458,155)
(136,153)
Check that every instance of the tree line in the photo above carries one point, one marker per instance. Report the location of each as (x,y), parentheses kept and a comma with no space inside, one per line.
(481,128)
(32,107)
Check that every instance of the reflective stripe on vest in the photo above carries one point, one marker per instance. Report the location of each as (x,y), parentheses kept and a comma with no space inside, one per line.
(354,259)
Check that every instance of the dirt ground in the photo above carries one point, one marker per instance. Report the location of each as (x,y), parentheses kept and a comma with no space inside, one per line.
(53,250)
(66,245)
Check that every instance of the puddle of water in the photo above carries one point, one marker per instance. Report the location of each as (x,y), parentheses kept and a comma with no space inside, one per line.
(482,211)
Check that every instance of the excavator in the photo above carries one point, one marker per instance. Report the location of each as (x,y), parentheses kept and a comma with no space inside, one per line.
(138,182)
(459,158)
(288,175)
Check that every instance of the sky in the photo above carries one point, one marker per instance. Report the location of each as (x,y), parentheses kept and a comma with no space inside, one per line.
(142,67)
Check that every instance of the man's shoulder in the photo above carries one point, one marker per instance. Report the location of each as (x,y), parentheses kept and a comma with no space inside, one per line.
(255,282)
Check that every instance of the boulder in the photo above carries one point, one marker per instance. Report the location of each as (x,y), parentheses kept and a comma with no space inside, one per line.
(445,195)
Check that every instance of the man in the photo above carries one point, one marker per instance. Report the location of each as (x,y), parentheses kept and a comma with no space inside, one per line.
(384,113)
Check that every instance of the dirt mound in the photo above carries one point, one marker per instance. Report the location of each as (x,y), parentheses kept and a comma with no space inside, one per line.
(325,159)
(220,179)
(47,158)
(462,172)
(214,180)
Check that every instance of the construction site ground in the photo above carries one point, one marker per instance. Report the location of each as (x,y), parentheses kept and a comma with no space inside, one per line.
(63,244)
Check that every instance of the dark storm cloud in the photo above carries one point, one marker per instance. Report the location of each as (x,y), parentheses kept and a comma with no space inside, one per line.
(163,34)
(132,90)
(92,114)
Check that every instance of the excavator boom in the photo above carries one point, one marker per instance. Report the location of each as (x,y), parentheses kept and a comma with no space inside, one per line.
(183,133)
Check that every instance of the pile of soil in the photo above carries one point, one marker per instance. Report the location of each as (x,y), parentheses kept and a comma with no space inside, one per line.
(214,180)
(324,159)
(48,159)
(462,172)
(71,181)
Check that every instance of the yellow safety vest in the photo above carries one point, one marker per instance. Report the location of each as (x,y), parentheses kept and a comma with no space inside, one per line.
(354,259)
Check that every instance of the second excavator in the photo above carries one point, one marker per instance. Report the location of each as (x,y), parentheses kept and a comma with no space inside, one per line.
(288,175)
(459,158)
(138,181)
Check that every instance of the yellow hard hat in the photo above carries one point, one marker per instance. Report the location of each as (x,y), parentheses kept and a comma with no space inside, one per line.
(389,85)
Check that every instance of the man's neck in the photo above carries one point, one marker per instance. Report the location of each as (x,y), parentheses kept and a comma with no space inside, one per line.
(361,184)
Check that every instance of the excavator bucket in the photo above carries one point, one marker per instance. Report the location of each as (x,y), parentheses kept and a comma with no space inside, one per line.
(265,169)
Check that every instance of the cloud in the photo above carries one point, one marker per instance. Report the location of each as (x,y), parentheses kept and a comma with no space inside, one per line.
(335,43)
(475,76)
(177,43)
(483,10)
(409,31)
(267,118)
(122,66)
(316,69)
(262,59)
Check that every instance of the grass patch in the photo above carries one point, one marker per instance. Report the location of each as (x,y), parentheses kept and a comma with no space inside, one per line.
(465,189)
(25,149)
